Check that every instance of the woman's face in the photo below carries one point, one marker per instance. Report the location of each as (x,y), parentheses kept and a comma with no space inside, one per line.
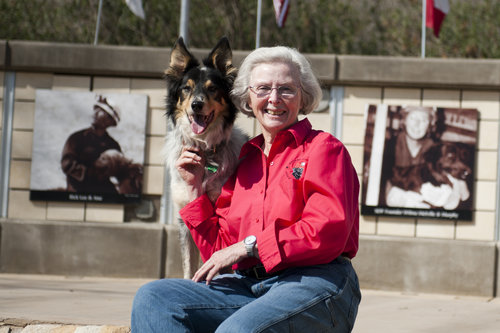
(417,122)
(280,108)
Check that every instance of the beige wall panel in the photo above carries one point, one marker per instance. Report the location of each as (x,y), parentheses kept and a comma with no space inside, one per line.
(65,211)
(154,150)
(20,206)
(367,225)
(481,229)
(436,229)
(353,130)
(320,121)
(21,144)
(153,180)
(395,226)
(156,122)
(487,102)
(20,175)
(104,212)
(485,195)
(71,82)
(155,89)
(356,153)
(486,165)
(24,115)
(111,85)
(246,124)
(356,99)
(401,96)
(27,83)
(488,134)
(441,98)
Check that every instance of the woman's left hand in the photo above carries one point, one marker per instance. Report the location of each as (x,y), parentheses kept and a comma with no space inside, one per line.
(220,260)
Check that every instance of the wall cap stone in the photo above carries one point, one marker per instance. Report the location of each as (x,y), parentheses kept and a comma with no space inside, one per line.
(150,62)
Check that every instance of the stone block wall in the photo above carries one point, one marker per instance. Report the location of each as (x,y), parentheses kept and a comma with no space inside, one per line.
(388,243)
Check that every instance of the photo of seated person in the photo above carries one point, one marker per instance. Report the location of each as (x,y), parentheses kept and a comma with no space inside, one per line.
(409,157)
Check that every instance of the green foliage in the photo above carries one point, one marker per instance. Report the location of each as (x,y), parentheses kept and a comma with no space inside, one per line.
(365,27)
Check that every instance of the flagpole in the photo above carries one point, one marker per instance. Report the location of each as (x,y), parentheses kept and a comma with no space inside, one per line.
(257,33)
(98,23)
(183,28)
(424,12)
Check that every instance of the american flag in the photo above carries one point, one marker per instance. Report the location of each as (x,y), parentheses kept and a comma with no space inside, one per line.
(281,10)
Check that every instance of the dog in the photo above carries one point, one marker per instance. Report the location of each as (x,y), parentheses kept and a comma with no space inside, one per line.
(446,163)
(201,114)
(123,172)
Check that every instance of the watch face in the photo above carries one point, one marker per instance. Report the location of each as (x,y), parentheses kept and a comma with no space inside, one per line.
(250,239)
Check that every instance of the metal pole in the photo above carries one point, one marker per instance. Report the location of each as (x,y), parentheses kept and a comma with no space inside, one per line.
(184,24)
(336,110)
(497,212)
(96,37)
(257,32)
(422,42)
(6,144)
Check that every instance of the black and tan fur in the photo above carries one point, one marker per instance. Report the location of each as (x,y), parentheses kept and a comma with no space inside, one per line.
(201,114)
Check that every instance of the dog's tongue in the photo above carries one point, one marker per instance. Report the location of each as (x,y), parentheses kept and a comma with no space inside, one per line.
(199,124)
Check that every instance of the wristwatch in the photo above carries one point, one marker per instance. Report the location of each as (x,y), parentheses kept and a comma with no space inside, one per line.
(250,242)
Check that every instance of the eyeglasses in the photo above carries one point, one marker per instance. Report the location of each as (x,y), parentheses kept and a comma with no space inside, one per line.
(283,91)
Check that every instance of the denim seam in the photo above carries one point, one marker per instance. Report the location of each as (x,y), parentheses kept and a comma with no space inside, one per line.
(211,306)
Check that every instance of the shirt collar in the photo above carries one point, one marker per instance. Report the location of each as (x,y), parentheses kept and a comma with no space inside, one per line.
(298,131)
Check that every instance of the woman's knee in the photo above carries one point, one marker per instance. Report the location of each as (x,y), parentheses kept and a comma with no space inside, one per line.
(155,294)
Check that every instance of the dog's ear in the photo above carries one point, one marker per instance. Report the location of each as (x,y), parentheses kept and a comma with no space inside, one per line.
(221,58)
(180,60)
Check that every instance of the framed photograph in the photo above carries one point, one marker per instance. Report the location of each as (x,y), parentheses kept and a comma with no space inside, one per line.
(419,161)
(88,146)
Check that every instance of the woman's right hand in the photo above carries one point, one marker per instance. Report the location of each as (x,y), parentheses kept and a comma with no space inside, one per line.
(191,168)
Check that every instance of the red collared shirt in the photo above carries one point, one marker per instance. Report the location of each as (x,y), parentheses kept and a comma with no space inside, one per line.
(301,202)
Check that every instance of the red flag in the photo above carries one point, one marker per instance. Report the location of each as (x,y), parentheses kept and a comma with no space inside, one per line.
(281,11)
(436,11)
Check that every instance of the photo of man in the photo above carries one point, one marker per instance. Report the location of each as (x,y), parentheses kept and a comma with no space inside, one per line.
(102,161)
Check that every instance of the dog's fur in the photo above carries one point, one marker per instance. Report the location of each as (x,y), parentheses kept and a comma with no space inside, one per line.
(201,114)
(127,174)
(441,160)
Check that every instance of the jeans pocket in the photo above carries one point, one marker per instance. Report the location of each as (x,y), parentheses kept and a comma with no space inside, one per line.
(343,307)
(329,305)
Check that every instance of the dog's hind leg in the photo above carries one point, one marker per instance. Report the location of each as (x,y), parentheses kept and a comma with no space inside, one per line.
(189,251)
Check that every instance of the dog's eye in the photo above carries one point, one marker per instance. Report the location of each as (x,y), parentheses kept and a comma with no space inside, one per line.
(186,89)
(212,89)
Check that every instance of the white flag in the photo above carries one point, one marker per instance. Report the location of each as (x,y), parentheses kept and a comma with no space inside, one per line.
(136,7)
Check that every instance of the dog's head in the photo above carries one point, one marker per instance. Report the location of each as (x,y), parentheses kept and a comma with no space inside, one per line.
(198,94)
(451,158)
(110,162)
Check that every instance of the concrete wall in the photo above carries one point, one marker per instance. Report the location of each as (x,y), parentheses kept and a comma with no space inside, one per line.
(96,239)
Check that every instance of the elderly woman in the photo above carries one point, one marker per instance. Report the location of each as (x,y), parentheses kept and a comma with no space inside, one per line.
(286,221)
(407,151)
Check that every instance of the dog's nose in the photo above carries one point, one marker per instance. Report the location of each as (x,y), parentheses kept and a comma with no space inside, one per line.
(197,106)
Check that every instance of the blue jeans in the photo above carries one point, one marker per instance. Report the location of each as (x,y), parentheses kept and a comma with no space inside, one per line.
(321,298)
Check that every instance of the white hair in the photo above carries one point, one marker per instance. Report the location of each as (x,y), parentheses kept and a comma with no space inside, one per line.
(309,85)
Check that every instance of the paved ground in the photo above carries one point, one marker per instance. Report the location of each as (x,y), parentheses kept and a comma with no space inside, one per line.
(95,302)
